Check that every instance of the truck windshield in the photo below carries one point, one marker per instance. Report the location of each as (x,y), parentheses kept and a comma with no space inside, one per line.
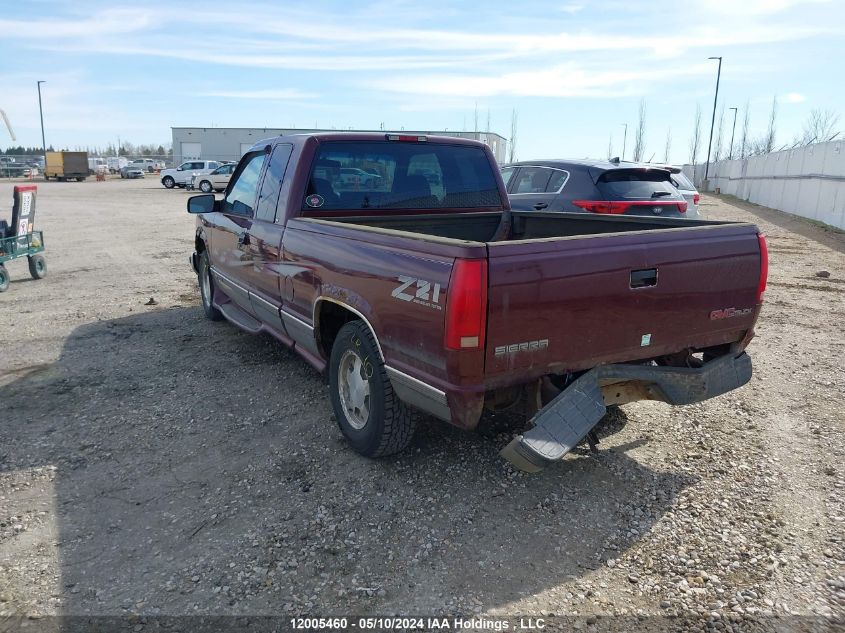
(400,175)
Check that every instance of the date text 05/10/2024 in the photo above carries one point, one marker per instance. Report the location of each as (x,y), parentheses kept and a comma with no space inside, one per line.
(412,623)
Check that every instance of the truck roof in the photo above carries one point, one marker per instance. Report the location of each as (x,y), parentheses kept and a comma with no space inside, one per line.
(361,136)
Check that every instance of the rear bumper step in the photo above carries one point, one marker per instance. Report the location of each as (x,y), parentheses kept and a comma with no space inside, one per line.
(565,421)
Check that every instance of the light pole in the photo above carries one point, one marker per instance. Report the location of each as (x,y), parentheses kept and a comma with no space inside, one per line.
(41,112)
(713,119)
(624,138)
(733,130)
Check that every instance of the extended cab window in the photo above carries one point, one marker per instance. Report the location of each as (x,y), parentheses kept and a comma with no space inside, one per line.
(240,199)
(400,175)
(272,185)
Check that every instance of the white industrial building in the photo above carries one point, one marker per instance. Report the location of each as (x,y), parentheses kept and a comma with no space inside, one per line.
(230,143)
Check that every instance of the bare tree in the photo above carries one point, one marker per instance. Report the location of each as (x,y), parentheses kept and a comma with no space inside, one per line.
(639,138)
(819,126)
(610,147)
(668,147)
(743,152)
(769,139)
(512,149)
(695,141)
(718,149)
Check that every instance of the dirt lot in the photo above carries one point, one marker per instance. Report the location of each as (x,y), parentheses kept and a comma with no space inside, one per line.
(155,463)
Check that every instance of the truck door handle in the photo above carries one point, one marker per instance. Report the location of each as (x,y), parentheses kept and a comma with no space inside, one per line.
(243,239)
(541,205)
(643,278)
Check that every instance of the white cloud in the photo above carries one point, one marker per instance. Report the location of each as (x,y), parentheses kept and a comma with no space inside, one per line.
(793,97)
(270,95)
(753,7)
(567,80)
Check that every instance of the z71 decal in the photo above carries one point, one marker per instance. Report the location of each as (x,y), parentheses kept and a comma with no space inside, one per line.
(418,291)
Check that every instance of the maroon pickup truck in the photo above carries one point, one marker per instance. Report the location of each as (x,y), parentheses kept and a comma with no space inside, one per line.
(394,264)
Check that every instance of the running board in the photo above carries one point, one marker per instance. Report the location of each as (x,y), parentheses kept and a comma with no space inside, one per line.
(566,420)
(240,318)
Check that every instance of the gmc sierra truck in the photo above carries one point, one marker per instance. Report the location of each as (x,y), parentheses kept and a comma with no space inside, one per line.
(420,290)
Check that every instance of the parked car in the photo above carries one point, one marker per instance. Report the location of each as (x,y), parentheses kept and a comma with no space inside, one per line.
(214,181)
(687,189)
(352,178)
(132,170)
(592,186)
(446,302)
(181,175)
(116,163)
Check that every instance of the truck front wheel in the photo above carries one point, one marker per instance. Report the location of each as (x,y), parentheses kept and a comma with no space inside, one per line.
(207,288)
(370,415)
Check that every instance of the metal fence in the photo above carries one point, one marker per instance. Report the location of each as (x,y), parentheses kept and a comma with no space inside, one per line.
(32,165)
(806,181)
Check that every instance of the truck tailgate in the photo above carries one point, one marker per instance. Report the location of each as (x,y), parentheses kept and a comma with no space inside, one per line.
(571,303)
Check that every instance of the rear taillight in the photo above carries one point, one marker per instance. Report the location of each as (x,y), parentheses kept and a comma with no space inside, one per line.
(696,198)
(617,207)
(466,305)
(764,266)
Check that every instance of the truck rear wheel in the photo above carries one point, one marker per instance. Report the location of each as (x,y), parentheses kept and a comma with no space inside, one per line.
(368,412)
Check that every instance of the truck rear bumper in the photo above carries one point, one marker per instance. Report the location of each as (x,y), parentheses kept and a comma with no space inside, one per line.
(566,420)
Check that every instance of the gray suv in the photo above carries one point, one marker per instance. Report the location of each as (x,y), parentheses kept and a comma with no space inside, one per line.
(593,186)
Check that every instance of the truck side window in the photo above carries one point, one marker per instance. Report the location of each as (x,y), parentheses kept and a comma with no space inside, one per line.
(240,198)
(272,184)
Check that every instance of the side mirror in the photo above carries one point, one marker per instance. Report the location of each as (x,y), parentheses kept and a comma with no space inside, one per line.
(202,204)
(180,168)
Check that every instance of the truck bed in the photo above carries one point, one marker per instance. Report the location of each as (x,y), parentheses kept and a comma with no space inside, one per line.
(569,291)
(516,226)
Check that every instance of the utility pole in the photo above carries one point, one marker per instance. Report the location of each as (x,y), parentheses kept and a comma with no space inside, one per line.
(733,130)
(41,112)
(624,138)
(713,119)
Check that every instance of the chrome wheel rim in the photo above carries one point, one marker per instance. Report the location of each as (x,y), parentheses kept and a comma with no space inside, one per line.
(354,387)
(205,187)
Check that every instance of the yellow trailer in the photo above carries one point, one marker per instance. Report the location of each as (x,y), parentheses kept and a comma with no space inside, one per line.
(66,166)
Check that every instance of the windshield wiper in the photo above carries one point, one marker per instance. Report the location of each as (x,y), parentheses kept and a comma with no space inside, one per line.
(660,194)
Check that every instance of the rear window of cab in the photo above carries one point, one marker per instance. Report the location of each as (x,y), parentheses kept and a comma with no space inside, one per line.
(400,175)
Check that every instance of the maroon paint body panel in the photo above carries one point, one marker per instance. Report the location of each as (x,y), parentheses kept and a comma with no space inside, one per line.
(576,294)
(556,304)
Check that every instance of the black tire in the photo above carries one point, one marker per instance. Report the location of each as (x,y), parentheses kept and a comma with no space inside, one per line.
(4,278)
(390,423)
(205,186)
(168,182)
(37,266)
(206,282)
(80,179)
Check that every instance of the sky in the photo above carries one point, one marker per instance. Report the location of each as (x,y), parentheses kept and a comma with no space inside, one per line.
(574,71)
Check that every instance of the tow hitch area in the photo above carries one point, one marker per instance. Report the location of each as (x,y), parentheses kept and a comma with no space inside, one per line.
(565,421)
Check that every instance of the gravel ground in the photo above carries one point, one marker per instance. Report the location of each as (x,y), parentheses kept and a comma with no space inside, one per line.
(155,463)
